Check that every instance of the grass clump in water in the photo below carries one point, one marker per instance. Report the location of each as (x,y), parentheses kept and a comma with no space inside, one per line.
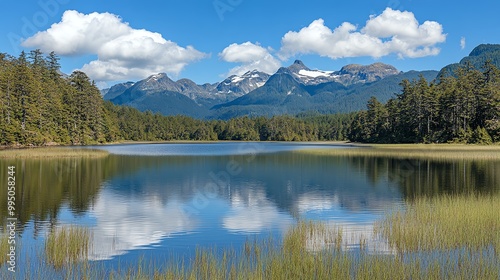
(444,223)
(52,152)
(67,245)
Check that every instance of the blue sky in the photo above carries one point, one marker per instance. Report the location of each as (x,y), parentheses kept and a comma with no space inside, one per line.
(206,40)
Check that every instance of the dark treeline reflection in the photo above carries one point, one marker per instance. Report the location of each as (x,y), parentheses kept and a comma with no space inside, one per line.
(42,186)
(432,177)
(291,181)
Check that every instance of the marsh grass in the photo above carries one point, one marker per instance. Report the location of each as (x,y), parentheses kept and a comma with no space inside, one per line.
(52,152)
(294,259)
(415,151)
(450,237)
(67,245)
(444,223)
(4,247)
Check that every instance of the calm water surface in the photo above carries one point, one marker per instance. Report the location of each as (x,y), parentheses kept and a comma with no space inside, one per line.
(156,201)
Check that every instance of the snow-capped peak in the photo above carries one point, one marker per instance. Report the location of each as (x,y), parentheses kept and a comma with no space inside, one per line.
(156,77)
(243,84)
(315,73)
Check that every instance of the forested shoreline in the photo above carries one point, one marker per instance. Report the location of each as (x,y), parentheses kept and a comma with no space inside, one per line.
(463,108)
(39,106)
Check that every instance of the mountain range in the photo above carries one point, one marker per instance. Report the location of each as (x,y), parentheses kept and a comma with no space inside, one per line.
(291,90)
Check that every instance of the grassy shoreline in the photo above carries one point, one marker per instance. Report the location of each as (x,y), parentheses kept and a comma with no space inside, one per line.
(52,152)
(415,151)
(399,151)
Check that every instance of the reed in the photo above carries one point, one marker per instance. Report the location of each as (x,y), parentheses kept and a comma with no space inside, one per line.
(444,223)
(67,245)
(4,247)
(415,151)
(294,259)
(52,152)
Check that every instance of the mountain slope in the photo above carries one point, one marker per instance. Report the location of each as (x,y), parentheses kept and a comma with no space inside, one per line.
(349,75)
(117,90)
(241,85)
(283,94)
(477,58)
(159,94)
(168,103)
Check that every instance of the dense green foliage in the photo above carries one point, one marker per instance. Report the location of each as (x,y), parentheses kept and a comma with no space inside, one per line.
(135,125)
(465,109)
(38,106)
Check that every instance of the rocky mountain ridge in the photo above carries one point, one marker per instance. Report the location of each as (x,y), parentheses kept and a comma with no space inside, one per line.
(293,89)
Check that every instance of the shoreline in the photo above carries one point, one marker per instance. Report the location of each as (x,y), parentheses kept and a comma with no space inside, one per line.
(51,152)
(415,151)
(400,151)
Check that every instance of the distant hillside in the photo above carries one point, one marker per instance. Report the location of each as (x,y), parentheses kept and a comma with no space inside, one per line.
(477,58)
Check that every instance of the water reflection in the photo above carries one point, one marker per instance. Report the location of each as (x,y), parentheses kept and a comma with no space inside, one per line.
(137,202)
(43,186)
(432,177)
(252,212)
(126,223)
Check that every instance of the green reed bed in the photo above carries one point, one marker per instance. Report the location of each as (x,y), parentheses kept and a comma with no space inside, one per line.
(444,223)
(295,258)
(4,246)
(415,151)
(52,152)
(67,245)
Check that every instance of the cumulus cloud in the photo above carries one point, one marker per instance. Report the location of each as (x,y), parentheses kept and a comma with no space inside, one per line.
(392,32)
(123,52)
(462,43)
(251,56)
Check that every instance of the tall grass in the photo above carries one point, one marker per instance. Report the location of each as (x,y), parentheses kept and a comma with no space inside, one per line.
(4,247)
(52,152)
(67,245)
(415,151)
(444,223)
(294,259)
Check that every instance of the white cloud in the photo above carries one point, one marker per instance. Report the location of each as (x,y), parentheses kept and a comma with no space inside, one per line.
(123,52)
(462,43)
(392,32)
(251,56)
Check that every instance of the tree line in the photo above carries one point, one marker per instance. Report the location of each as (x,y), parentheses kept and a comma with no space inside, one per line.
(40,106)
(460,108)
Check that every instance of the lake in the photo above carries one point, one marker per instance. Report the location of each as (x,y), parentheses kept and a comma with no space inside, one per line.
(163,201)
